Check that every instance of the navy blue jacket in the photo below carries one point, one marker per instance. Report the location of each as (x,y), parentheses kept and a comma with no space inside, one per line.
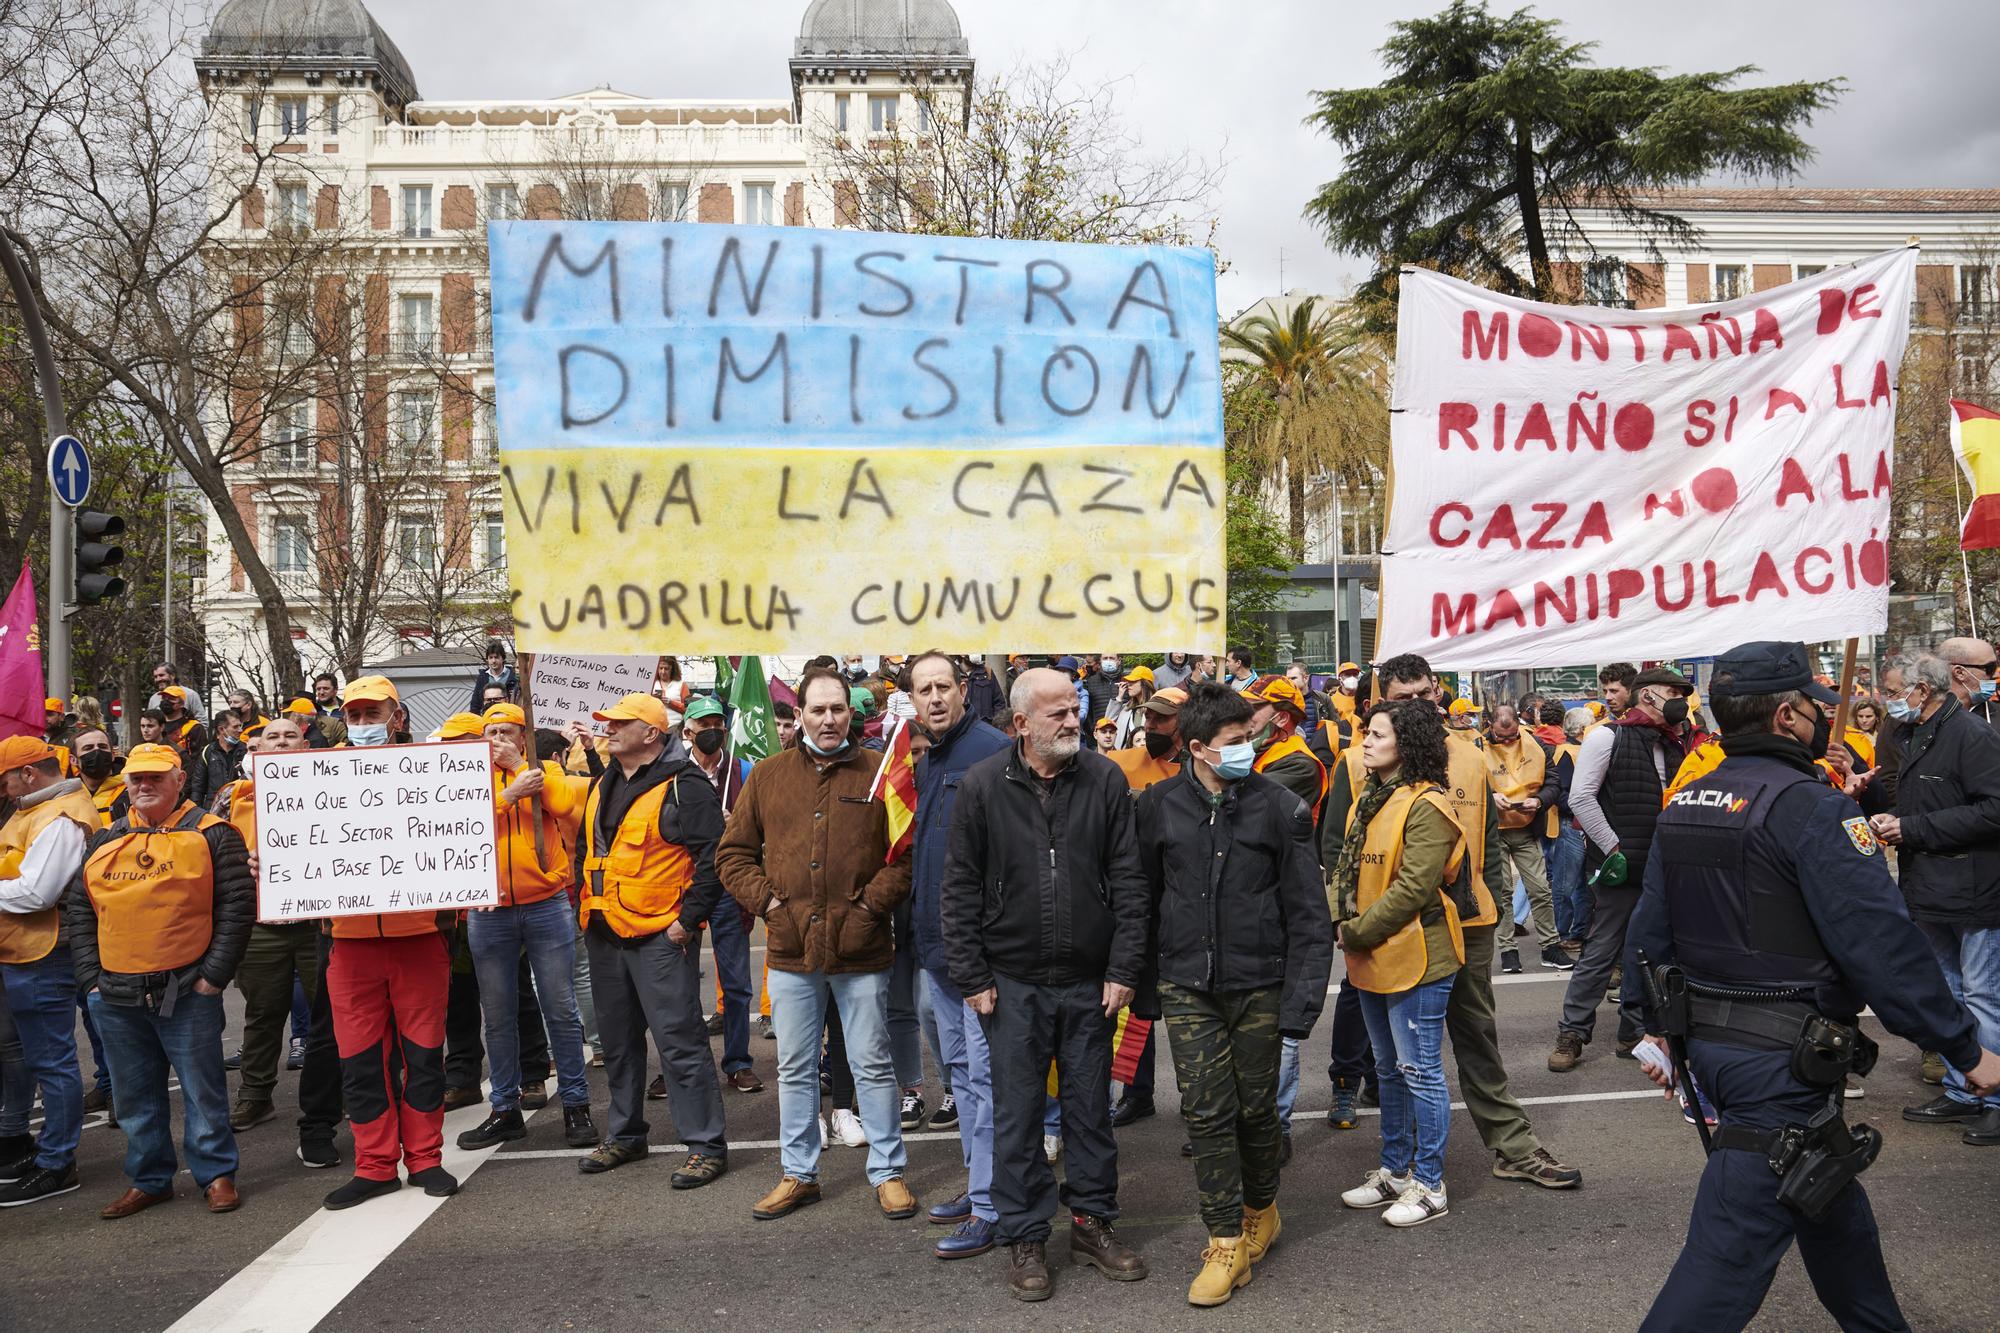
(938,776)
(1857,910)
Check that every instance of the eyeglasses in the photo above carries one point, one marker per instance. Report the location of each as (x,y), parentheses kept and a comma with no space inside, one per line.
(1983,668)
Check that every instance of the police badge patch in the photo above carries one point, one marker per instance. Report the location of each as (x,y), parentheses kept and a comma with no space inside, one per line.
(1861,836)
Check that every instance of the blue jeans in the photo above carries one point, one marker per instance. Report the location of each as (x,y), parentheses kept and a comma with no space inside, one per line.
(968,1069)
(1288,1081)
(1970,958)
(1407,1030)
(496,939)
(731,946)
(101,1072)
(42,997)
(1565,859)
(798,1011)
(906,1004)
(141,1046)
(301,1011)
(17,1081)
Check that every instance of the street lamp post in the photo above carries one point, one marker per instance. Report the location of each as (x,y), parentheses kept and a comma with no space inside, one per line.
(62,551)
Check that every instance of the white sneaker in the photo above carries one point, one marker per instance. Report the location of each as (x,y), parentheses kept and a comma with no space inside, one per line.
(847,1131)
(1052,1148)
(1379,1188)
(1417,1204)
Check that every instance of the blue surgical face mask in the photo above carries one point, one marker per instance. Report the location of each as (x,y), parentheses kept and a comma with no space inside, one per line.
(1901,710)
(1986,688)
(807,741)
(1235,761)
(361,735)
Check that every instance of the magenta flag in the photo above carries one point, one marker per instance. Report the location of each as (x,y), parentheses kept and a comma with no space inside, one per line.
(21,698)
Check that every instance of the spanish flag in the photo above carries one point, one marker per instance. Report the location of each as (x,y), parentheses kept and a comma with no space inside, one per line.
(899,791)
(1975,438)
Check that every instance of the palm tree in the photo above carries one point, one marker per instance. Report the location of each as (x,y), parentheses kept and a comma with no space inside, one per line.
(1324,377)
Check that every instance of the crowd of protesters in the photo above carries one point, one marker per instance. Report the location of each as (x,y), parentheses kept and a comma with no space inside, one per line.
(1182,847)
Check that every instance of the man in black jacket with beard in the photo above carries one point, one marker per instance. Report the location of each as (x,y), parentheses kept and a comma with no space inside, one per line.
(1044,909)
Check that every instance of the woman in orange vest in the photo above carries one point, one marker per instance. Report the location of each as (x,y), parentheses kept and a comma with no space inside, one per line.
(1399,926)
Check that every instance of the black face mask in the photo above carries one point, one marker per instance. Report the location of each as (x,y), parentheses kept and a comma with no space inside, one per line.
(97,765)
(708,742)
(1674,712)
(1159,744)
(1822,735)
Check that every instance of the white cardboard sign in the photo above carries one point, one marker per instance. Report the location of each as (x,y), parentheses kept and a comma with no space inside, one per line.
(393,828)
(566,689)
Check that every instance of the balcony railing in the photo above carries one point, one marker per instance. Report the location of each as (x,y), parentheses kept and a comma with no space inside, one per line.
(537,142)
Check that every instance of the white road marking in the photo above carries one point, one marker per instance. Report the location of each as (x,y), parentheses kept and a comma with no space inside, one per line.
(931,1136)
(297,1282)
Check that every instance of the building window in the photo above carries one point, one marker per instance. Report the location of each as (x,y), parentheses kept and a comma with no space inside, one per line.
(492,541)
(1604,283)
(882,113)
(332,116)
(840,101)
(885,213)
(414,639)
(293,119)
(924,114)
(292,207)
(760,205)
(416,210)
(411,418)
(1807,270)
(485,441)
(1975,368)
(291,447)
(503,203)
(1975,289)
(295,336)
(416,541)
(291,545)
(671,201)
(253,115)
(416,323)
(1728,282)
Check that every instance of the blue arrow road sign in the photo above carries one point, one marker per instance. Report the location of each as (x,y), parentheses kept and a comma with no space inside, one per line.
(69,470)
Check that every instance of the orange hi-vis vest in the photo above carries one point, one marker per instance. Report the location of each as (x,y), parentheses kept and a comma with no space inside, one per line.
(1399,962)
(636,883)
(1518,771)
(1468,794)
(1293,745)
(243,810)
(1701,761)
(29,937)
(154,891)
(1567,750)
(1141,770)
(523,879)
(106,796)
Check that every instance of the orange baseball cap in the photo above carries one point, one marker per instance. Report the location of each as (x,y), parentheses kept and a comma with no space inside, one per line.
(151,758)
(637,708)
(301,707)
(1460,707)
(1144,673)
(173,692)
(504,713)
(1279,691)
(20,751)
(461,727)
(53,705)
(1167,703)
(363,688)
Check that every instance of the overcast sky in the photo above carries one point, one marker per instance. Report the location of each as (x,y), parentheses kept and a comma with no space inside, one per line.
(1231,79)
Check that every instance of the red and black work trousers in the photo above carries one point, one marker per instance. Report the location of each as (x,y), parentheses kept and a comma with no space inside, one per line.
(388,998)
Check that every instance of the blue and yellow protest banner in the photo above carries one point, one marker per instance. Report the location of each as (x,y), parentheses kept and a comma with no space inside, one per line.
(782,440)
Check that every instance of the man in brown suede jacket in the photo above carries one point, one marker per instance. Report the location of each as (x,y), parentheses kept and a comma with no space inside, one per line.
(807,850)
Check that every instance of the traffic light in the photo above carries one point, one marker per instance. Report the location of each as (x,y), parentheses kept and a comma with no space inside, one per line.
(95,556)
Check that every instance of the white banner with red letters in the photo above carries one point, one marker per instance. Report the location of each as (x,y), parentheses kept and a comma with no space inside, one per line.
(1577,483)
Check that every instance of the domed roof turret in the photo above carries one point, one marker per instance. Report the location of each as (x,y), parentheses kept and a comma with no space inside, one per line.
(339,38)
(908,28)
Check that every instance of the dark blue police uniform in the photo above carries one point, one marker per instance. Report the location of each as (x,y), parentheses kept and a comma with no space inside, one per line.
(1762,878)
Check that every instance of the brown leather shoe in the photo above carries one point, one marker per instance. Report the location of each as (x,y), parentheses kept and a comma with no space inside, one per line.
(744,1080)
(896,1200)
(1091,1240)
(1028,1271)
(791,1195)
(457,1097)
(222,1195)
(133,1201)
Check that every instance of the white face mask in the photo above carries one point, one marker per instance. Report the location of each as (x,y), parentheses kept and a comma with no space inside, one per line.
(361,735)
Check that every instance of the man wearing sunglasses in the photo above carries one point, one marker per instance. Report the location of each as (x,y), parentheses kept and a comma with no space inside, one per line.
(1972,664)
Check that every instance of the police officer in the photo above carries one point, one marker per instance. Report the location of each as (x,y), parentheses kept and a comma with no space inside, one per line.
(1770,920)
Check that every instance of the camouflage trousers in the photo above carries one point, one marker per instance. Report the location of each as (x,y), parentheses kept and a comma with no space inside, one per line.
(1225,1047)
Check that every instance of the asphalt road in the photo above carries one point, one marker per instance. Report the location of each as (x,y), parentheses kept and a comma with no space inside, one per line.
(528,1243)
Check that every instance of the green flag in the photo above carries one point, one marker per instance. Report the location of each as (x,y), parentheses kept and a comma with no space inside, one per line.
(754,728)
(724,674)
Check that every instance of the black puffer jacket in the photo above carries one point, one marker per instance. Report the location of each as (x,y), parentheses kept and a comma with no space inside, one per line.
(1044,894)
(1948,799)
(235,910)
(1237,898)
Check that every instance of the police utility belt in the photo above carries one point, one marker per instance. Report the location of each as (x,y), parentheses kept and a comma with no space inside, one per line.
(1815,1161)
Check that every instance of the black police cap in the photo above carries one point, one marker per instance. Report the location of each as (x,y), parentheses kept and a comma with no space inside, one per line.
(1768,667)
